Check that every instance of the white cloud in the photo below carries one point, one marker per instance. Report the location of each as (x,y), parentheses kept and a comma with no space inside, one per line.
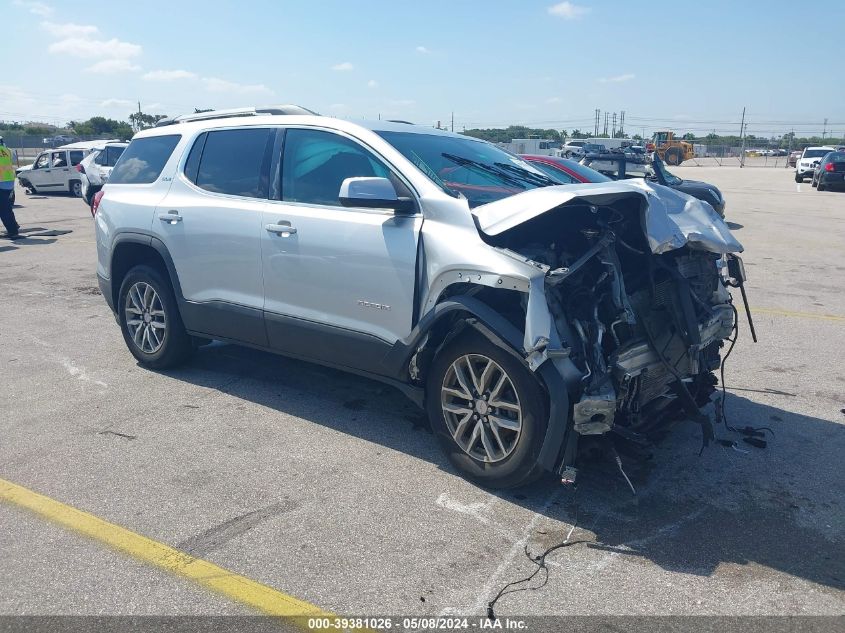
(618,78)
(343,66)
(88,49)
(168,75)
(554,100)
(111,66)
(117,103)
(38,8)
(69,29)
(372,83)
(568,11)
(423,50)
(215,84)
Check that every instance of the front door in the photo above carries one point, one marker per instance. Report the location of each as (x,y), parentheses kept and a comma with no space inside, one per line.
(339,285)
(41,174)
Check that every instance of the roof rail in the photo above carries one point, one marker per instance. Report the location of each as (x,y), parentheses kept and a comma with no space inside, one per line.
(237,112)
(400,121)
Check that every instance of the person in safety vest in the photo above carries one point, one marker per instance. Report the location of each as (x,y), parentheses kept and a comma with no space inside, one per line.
(7,186)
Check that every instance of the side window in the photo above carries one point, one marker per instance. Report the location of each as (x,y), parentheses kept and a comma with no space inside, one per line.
(192,165)
(234,162)
(315,163)
(76,157)
(112,154)
(143,160)
(43,161)
(100,158)
(554,172)
(58,159)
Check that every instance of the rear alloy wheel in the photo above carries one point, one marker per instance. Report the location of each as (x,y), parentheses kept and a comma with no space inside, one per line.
(76,189)
(488,411)
(150,321)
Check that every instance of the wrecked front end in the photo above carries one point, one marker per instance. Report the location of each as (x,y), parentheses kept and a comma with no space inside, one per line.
(630,303)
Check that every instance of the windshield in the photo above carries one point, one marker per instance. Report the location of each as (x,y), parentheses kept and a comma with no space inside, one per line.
(816,153)
(479,171)
(660,170)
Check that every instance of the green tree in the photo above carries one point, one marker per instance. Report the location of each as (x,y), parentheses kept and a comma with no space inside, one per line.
(142,121)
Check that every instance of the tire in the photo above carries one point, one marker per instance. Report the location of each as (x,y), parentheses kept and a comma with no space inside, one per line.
(515,446)
(75,188)
(798,178)
(820,186)
(568,155)
(673,157)
(167,345)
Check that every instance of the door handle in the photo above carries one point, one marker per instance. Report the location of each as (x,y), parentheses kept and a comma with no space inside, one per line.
(171,217)
(283,228)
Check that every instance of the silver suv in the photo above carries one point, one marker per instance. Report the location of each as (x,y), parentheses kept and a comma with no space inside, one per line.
(520,313)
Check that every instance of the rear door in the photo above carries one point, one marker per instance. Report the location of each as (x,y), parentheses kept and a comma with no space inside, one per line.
(340,284)
(210,223)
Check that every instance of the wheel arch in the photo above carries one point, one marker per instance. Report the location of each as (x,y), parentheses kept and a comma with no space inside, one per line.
(454,315)
(134,249)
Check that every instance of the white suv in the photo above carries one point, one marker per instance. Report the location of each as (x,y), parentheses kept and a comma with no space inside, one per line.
(522,314)
(810,158)
(96,167)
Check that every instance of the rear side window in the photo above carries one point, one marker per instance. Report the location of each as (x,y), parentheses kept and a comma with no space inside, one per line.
(76,157)
(234,162)
(143,160)
(112,154)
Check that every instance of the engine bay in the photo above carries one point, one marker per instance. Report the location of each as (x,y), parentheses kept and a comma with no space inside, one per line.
(644,329)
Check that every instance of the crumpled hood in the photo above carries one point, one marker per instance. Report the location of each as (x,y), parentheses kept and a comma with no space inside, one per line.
(672,219)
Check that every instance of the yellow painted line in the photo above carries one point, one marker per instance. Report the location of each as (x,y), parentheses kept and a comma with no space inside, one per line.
(205,574)
(796,315)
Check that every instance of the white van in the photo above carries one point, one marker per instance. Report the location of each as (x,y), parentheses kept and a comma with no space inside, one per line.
(55,170)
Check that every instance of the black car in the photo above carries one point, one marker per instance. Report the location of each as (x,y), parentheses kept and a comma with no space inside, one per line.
(830,171)
(622,166)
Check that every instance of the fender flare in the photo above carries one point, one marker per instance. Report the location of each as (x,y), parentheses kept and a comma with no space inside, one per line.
(489,323)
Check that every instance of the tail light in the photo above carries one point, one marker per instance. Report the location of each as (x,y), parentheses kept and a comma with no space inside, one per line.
(80,168)
(95,203)
(829,167)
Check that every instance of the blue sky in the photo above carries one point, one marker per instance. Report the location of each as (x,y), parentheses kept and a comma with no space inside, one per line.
(693,65)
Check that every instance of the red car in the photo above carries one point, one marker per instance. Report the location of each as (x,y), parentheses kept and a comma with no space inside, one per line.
(564,170)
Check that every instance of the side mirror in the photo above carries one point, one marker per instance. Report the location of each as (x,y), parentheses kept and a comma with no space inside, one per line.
(373,193)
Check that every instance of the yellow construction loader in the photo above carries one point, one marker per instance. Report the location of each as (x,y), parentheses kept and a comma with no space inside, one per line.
(671,152)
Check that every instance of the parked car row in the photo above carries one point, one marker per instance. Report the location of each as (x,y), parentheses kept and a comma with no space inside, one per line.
(79,169)
(809,160)
(830,172)
(520,313)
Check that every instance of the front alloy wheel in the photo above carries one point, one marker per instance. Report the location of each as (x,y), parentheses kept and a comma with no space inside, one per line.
(145,317)
(481,408)
(488,411)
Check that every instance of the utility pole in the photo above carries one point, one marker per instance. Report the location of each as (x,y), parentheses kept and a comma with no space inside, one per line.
(598,115)
(613,133)
(605,124)
(789,147)
(742,139)
(622,125)
(824,130)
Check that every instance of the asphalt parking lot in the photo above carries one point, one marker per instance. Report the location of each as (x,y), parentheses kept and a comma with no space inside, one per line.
(328,488)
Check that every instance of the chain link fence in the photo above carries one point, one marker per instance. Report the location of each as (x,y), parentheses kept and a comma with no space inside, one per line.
(756,153)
